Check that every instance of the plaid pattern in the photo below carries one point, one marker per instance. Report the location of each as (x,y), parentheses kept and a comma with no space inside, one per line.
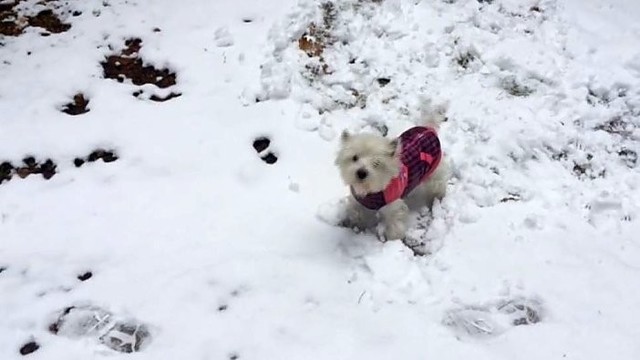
(420,155)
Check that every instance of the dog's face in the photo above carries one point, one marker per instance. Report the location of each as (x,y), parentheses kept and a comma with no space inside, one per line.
(367,162)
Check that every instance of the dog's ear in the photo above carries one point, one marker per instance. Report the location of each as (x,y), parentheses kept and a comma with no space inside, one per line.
(394,147)
(345,136)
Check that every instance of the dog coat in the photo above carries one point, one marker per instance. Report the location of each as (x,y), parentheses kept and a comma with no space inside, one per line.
(420,155)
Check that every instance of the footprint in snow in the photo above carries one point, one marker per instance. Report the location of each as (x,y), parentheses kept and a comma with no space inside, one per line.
(223,37)
(494,319)
(122,335)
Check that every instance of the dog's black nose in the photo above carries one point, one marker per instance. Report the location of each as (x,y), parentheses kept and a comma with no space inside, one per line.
(362,174)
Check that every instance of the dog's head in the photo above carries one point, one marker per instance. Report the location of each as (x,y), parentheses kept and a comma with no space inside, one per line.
(368,162)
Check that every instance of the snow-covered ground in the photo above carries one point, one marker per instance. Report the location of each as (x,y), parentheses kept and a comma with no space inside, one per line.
(209,252)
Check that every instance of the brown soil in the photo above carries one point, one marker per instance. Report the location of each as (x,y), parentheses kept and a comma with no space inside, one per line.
(30,167)
(383,81)
(9,20)
(13,24)
(260,144)
(311,42)
(54,328)
(29,348)
(78,106)
(85,276)
(6,171)
(47,169)
(318,36)
(270,158)
(107,156)
(129,65)
(49,21)
(157,98)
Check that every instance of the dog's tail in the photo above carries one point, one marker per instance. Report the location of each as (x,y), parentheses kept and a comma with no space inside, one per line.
(432,115)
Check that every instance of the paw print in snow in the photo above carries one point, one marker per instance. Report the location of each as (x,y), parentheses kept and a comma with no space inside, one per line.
(494,319)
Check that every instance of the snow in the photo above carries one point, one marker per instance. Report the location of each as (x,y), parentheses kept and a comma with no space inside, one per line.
(219,255)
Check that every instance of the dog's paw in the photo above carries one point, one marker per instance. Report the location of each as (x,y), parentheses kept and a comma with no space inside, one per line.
(351,224)
(395,232)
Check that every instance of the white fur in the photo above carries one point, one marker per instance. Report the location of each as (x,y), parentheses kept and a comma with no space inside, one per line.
(379,158)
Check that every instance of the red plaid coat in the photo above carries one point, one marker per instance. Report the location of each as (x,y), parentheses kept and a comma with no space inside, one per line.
(419,157)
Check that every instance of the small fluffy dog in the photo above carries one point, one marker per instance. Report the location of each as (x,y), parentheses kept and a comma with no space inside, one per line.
(383,173)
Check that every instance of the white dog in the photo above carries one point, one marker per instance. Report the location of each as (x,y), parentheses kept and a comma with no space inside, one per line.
(383,173)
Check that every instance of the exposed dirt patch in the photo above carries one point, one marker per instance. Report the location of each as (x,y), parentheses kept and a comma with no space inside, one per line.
(49,21)
(157,98)
(383,81)
(78,106)
(261,145)
(128,65)
(48,168)
(13,23)
(6,171)
(85,276)
(311,42)
(106,156)
(29,348)
(31,167)
(54,328)
(270,158)
(318,36)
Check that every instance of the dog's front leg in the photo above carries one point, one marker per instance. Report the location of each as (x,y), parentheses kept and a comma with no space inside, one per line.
(395,217)
(357,215)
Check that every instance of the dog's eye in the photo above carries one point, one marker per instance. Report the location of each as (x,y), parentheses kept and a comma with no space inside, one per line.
(377,163)
(355,158)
